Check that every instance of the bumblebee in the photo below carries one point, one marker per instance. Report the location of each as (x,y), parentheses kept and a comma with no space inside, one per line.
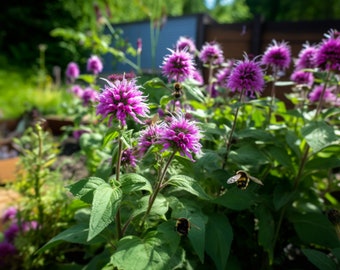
(242,179)
(178,90)
(183,226)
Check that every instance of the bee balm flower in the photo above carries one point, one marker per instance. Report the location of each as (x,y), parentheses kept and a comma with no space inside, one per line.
(246,75)
(277,55)
(94,65)
(328,55)
(122,98)
(306,58)
(72,71)
(178,65)
(211,53)
(182,135)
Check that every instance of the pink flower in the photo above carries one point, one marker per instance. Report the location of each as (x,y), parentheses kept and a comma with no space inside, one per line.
(328,54)
(246,75)
(182,135)
(328,96)
(277,55)
(306,58)
(178,66)
(72,71)
(211,53)
(302,77)
(149,137)
(122,98)
(185,43)
(94,65)
(89,95)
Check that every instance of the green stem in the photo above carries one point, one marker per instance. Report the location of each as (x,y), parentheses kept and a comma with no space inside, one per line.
(159,186)
(37,174)
(273,95)
(232,130)
(118,218)
(319,107)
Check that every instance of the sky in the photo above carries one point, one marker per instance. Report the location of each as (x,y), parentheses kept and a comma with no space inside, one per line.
(211,3)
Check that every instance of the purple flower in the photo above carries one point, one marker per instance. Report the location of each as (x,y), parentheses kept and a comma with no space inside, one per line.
(211,53)
(185,43)
(77,90)
(182,135)
(72,71)
(328,54)
(7,251)
(328,97)
(302,77)
(178,65)
(277,55)
(89,95)
(121,99)
(222,76)
(9,214)
(246,75)
(94,65)
(11,232)
(149,137)
(197,76)
(128,158)
(77,133)
(306,58)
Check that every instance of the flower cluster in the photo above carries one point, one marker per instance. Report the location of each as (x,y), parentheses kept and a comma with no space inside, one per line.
(277,55)
(72,71)
(328,54)
(87,95)
(120,99)
(178,65)
(186,43)
(94,65)
(211,53)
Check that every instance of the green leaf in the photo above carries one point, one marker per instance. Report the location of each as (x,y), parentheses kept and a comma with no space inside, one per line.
(76,234)
(282,195)
(106,201)
(319,135)
(315,228)
(155,83)
(159,208)
(280,155)
(197,233)
(149,253)
(257,134)
(236,199)
(188,184)
(248,154)
(266,231)
(165,100)
(84,189)
(194,91)
(219,236)
(319,259)
(132,182)
(111,134)
(284,83)
(88,78)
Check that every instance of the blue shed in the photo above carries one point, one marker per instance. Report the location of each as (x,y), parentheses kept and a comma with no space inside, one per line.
(190,26)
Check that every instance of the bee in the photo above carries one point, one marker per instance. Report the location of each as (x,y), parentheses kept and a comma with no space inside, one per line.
(183,226)
(178,90)
(242,179)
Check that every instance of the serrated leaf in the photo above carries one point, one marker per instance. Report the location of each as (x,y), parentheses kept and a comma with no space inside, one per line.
(315,228)
(111,134)
(188,184)
(84,189)
(149,253)
(266,231)
(319,135)
(248,154)
(219,236)
(155,83)
(236,199)
(160,206)
(76,234)
(194,91)
(132,182)
(319,259)
(106,201)
(197,233)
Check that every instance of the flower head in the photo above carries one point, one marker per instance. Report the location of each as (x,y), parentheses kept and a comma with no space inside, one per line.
(77,90)
(246,75)
(7,253)
(277,55)
(9,214)
(185,43)
(72,71)
(302,77)
(149,137)
(182,135)
(197,76)
(211,53)
(328,96)
(328,54)
(11,232)
(94,65)
(121,99)
(89,95)
(306,58)
(178,65)
(128,158)
(139,45)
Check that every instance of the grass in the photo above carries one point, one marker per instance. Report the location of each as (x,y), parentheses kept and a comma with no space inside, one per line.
(20,91)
